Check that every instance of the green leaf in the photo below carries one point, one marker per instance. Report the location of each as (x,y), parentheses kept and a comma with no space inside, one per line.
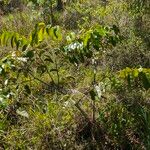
(30,54)
(86,38)
(34,38)
(12,41)
(135,73)
(56,33)
(24,47)
(41,25)
(18,43)
(40,35)
(101,31)
(5,38)
(71,37)
(48,30)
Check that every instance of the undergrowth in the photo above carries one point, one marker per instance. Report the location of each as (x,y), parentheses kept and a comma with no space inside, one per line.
(78,78)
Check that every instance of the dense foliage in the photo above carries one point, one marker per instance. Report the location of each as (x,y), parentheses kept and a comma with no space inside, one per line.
(74,74)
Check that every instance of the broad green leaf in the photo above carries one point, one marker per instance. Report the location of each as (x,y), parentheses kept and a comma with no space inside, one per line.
(55,32)
(30,54)
(40,35)
(86,38)
(48,30)
(5,37)
(103,32)
(12,41)
(24,47)
(135,73)
(18,43)
(41,25)
(34,38)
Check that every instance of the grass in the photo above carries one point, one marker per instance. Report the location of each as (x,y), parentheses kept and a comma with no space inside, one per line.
(60,116)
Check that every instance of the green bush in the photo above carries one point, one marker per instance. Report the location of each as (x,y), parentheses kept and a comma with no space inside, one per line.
(81,85)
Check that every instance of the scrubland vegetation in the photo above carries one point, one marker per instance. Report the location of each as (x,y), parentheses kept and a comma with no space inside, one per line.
(74,75)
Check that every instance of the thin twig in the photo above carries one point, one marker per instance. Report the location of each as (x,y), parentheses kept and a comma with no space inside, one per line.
(47,69)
